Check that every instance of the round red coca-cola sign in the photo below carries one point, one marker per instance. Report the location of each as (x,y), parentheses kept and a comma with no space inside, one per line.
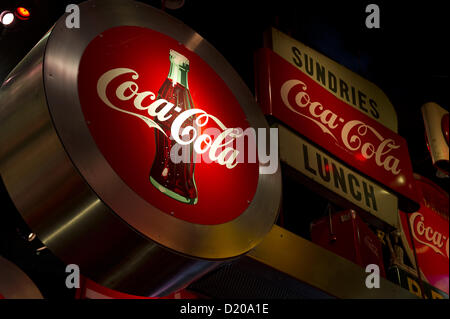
(162,130)
(143,156)
(138,86)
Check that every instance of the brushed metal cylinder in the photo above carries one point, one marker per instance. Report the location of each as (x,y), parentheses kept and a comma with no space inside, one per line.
(62,209)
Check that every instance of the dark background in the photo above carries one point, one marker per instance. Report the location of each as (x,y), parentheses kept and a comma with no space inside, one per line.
(407,58)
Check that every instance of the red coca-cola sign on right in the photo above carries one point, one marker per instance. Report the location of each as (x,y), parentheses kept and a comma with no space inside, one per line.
(167,124)
(291,96)
(444,126)
(429,230)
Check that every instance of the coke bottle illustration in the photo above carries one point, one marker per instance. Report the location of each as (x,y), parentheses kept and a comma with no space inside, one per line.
(175,179)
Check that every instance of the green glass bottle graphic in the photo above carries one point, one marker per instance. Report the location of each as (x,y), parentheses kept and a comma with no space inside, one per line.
(175,179)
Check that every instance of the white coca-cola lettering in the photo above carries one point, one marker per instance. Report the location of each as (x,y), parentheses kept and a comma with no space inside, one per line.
(427,235)
(218,148)
(368,150)
(303,100)
(107,77)
(228,134)
(352,132)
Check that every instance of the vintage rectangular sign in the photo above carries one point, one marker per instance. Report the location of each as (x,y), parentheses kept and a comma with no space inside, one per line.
(339,81)
(337,177)
(292,97)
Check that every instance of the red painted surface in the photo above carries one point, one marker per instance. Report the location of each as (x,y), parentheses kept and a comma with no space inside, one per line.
(349,237)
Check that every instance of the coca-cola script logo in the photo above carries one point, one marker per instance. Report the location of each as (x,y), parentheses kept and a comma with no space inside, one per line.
(145,98)
(428,236)
(292,97)
(351,134)
(217,148)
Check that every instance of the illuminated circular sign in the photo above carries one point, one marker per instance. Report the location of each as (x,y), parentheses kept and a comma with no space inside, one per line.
(131,148)
(135,86)
(152,119)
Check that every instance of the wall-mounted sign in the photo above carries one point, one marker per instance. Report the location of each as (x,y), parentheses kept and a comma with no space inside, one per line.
(338,178)
(100,131)
(436,129)
(339,81)
(291,96)
(430,233)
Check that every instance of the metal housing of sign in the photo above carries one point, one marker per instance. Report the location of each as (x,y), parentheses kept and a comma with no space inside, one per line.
(78,139)
(344,84)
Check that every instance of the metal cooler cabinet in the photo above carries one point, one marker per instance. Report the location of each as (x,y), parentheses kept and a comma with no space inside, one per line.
(346,234)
